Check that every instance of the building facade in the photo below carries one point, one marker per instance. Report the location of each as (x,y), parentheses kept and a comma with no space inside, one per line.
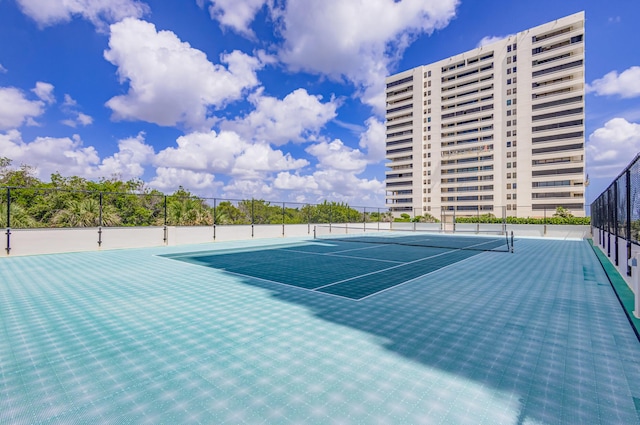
(498,129)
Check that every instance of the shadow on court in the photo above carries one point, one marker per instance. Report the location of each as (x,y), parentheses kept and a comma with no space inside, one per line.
(542,324)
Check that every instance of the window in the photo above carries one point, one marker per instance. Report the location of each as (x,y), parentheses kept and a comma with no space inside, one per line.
(508,154)
(514,175)
(515,185)
(429,74)
(508,166)
(508,144)
(515,58)
(508,175)
(429,119)
(508,81)
(509,48)
(509,92)
(429,102)
(515,164)
(515,143)
(508,196)
(428,92)
(515,46)
(515,196)
(508,102)
(509,133)
(509,123)
(515,69)
(515,90)
(508,185)
(509,113)
(429,110)
(515,154)
(429,83)
(509,59)
(508,70)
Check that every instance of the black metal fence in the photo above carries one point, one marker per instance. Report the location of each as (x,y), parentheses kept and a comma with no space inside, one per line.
(37,208)
(616,212)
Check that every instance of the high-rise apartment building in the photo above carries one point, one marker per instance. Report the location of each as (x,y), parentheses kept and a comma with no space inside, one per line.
(498,129)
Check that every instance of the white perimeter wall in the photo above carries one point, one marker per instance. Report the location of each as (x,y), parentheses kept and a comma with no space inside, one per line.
(49,241)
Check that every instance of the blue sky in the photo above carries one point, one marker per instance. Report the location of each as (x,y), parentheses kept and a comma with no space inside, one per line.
(272,99)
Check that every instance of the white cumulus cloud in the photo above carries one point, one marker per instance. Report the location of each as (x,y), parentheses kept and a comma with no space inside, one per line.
(168,179)
(336,156)
(99,12)
(625,84)
(611,147)
(490,39)
(16,109)
(44,91)
(236,14)
(357,40)
(170,82)
(70,157)
(374,140)
(296,118)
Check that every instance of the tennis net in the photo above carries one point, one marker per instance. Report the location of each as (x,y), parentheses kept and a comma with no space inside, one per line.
(476,242)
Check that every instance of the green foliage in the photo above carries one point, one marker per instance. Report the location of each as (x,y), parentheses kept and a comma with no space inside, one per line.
(404,218)
(489,218)
(426,218)
(78,202)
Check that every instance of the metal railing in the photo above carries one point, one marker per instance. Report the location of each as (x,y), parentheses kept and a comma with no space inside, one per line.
(38,208)
(616,212)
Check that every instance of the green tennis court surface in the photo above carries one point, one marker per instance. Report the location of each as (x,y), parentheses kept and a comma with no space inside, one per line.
(132,337)
(355,266)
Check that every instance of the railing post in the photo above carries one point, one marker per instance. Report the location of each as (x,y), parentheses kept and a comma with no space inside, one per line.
(364,219)
(166,235)
(100,223)
(628,226)
(252,218)
(214,218)
(8,248)
(283,218)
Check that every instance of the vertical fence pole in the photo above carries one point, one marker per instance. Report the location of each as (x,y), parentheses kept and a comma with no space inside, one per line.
(364,219)
(8,248)
(283,219)
(379,218)
(166,236)
(544,232)
(628,226)
(100,223)
(329,218)
(615,220)
(214,218)
(252,217)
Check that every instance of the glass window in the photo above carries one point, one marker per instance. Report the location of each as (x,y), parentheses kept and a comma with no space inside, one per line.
(508,144)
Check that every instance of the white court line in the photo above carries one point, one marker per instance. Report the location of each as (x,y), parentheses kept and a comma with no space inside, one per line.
(288,284)
(388,268)
(334,254)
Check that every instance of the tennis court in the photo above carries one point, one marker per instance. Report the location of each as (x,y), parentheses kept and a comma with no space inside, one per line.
(351,263)
(131,336)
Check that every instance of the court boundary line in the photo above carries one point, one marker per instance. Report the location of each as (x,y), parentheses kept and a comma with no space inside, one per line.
(384,270)
(317,289)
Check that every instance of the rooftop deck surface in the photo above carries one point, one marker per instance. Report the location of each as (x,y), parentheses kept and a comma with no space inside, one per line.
(129,336)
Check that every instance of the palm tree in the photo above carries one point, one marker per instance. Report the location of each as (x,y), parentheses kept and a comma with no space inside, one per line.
(85,213)
(20,219)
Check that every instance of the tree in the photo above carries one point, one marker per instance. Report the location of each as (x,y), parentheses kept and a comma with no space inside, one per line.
(562,212)
(85,213)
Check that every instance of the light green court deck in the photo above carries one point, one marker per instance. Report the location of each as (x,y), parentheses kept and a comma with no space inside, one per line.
(534,337)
